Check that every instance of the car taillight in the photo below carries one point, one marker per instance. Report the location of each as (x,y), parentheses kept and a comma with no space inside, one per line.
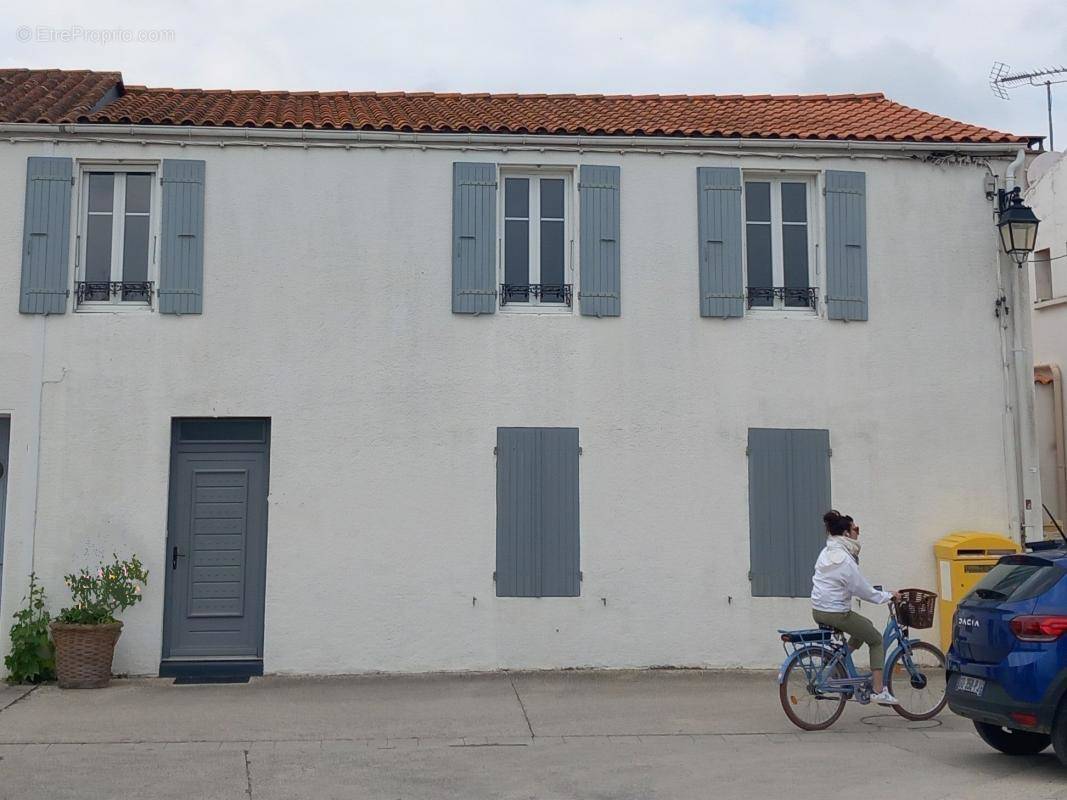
(1039,628)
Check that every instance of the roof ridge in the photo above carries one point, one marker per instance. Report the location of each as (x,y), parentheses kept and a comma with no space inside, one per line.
(839,97)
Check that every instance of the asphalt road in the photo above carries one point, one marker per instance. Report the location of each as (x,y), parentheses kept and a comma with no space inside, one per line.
(646,734)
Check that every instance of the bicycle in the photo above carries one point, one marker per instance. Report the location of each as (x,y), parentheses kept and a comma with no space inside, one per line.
(819,676)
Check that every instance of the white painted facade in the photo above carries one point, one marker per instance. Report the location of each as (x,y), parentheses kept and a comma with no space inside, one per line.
(327,307)
(1047,195)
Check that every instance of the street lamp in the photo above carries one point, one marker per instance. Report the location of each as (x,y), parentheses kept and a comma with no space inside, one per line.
(1017,225)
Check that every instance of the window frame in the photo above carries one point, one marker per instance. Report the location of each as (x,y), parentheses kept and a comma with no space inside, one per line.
(570,205)
(1042,260)
(813,189)
(118,229)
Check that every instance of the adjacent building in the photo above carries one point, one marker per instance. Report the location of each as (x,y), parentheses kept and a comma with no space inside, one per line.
(455,382)
(1047,195)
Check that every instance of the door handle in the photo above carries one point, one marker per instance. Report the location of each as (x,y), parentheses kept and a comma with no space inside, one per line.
(174,556)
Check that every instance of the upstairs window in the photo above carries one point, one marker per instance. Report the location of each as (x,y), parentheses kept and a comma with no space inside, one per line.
(536,262)
(1043,274)
(116,237)
(778,244)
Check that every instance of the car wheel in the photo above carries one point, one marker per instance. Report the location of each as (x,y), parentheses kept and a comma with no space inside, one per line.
(1012,742)
(1059,734)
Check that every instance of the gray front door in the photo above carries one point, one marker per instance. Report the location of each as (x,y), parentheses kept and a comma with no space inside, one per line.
(5,444)
(216,539)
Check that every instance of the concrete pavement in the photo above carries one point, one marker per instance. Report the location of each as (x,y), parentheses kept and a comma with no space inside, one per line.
(640,734)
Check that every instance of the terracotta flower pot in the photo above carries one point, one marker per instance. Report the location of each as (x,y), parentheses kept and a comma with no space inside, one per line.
(84,654)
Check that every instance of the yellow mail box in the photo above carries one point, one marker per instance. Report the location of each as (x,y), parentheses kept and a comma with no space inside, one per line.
(963,559)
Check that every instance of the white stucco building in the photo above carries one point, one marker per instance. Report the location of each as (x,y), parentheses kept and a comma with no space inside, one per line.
(1047,195)
(325,363)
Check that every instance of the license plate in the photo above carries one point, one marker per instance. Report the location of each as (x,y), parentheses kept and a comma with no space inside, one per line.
(965,683)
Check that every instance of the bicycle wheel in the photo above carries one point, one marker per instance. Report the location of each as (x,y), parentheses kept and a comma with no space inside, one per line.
(806,707)
(920,695)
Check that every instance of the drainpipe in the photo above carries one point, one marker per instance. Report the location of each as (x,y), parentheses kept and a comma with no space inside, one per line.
(1061,445)
(1031,526)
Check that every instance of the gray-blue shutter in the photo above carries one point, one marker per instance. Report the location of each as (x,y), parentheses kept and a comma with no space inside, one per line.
(722,291)
(600,291)
(518,504)
(846,245)
(181,265)
(789,491)
(771,566)
(46,236)
(809,469)
(537,541)
(560,557)
(474,279)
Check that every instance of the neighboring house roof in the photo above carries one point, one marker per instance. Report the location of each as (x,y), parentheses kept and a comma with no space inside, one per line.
(52,96)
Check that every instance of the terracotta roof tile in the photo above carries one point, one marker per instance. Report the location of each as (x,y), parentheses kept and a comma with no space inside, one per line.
(53,95)
(58,97)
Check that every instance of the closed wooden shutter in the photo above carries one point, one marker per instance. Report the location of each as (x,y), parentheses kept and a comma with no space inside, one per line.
(537,535)
(789,491)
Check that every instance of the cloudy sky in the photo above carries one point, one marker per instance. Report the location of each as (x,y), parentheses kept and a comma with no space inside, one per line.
(934,54)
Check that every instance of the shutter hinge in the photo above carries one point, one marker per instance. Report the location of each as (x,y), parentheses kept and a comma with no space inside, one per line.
(579,449)
(581,575)
(494,576)
(830,452)
(750,575)
(496,451)
(748,451)
(71,180)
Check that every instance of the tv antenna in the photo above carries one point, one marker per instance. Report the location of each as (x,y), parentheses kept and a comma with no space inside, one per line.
(1001,77)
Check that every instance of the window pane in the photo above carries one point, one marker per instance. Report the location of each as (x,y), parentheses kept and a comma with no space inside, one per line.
(552,245)
(138,192)
(760,274)
(101,191)
(135,249)
(516,197)
(758,202)
(795,263)
(794,202)
(223,430)
(551,198)
(516,251)
(98,248)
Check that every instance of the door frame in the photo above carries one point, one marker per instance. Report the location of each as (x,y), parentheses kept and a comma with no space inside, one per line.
(212,666)
(5,465)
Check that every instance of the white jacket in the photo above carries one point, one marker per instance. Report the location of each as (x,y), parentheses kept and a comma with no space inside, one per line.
(838,579)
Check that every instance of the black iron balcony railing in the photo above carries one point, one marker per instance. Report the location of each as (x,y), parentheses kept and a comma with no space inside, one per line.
(790,297)
(545,292)
(105,291)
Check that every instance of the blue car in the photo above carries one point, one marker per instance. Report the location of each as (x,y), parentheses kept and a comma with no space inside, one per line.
(1007,667)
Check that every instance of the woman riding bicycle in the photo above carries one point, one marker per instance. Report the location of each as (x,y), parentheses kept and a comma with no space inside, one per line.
(837,580)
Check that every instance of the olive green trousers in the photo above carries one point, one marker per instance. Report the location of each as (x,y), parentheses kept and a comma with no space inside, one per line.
(860,630)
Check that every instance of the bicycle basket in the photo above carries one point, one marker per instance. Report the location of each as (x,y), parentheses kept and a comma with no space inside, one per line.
(916,608)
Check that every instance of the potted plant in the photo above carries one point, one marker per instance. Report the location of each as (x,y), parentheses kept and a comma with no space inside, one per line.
(85,634)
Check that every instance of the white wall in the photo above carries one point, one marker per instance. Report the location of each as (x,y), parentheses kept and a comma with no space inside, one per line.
(1048,197)
(327,308)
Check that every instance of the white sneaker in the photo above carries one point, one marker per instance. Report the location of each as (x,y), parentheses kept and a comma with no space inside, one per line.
(884,698)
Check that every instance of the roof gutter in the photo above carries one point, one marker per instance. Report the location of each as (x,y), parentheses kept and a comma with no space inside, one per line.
(182,134)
